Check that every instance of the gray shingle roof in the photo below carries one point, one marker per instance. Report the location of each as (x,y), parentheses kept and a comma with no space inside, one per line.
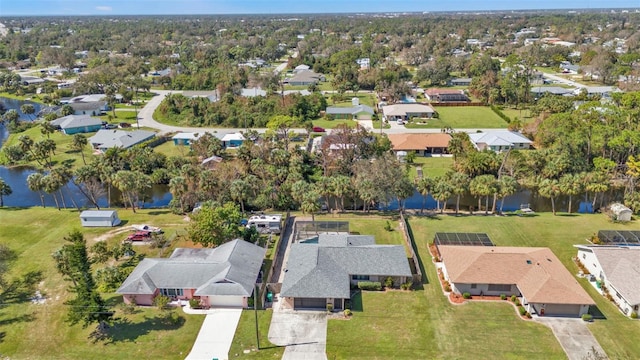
(323,270)
(75,121)
(230,269)
(349,110)
(621,267)
(96,213)
(119,138)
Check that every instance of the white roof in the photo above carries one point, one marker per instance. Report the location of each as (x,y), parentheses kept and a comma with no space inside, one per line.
(96,213)
(231,137)
(187,136)
(88,98)
(403,109)
(499,138)
(254,91)
(303,67)
(268,217)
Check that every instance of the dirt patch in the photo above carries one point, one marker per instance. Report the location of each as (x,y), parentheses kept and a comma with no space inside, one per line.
(110,234)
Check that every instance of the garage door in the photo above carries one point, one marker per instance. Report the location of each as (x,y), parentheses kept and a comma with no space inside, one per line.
(310,303)
(562,310)
(226,301)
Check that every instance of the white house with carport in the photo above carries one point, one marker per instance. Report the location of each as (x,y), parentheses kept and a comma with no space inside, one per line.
(500,140)
(617,268)
(321,270)
(224,276)
(99,218)
(534,274)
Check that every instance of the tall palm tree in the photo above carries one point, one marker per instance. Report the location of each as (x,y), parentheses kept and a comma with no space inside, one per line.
(441,192)
(550,188)
(239,191)
(5,190)
(310,204)
(424,187)
(78,143)
(483,185)
(572,184)
(597,183)
(34,182)
(50,185)
(341,186)
(507,186)
(459,185)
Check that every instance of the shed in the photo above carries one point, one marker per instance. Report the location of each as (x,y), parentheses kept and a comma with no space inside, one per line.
(620,212)
(99,218)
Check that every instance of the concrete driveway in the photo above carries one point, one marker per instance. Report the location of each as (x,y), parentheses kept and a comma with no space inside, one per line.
(304,333)
(574,336)
(216,334)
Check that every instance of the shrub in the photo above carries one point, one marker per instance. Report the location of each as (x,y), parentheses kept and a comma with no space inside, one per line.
(370,285)
(528,315)
(503,297)
(387,226)
(517,302)
(406,286)
(329,307)
(634,315)
(522,310)
(194,303)
(466,295)
(128,308)
(388,282)
(502,115)
(447,288)
(587,317)
(513,298)
(347,313)
(162,302)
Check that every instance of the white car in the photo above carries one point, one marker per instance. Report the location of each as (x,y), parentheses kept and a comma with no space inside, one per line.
(400,122)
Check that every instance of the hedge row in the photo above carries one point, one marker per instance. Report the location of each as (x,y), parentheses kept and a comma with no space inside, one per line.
(370,285)
(502,115)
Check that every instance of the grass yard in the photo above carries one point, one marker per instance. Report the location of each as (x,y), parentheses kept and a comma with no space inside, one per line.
(33,331)
(616,334)
(431,166)
(170,149)
(245,337)
(121,116)
(462,117)
(63,153)
(331,124)
(523,114)
(365,99)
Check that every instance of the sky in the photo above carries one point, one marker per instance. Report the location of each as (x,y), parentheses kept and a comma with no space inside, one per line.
(181,7)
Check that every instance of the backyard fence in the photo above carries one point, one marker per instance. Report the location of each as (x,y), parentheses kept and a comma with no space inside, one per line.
(271,280)
(408,238)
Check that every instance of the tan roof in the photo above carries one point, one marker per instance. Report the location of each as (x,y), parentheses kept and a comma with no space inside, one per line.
(419,141)
(438,91)
(537,272)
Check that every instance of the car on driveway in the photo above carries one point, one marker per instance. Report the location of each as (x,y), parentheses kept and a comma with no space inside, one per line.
(318,129)
(139,236)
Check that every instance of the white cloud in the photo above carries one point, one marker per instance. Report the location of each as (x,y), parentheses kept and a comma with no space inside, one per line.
(103,8)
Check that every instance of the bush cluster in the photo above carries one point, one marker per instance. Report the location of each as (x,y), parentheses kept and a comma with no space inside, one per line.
(502,115)
(407,285)
(503,297)
(587,317)
(522,310)
(370,285)
(466,295)
(388,282)
(634,315)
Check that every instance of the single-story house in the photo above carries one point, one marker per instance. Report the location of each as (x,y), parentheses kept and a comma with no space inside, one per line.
(94,108)
(304,77)
(362,112)
(500,140)
(406,111)
(99,218)
(232,140)
(224,276)
(185,138)
(424,144)
(74,124)
(301,67)
(321,270)
(539,91)
(445,95)
(106,139)
(617,270)
(534,274)
(460,82)
(569,68)
(254,91)
(30,80)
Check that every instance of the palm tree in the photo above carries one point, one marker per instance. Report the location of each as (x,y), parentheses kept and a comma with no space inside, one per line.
(5,190)
(78,143)
(50,185)
(341,186)
(239,191)
(403,188)
(34,182)
(550,188)
(424,187)
(310,204)
(86,179)
(325,189)
(507,186)
(572,184)
(441,192)
(483,185)
(597,183)
(459,185)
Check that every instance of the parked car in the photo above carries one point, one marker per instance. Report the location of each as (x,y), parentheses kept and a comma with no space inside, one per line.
(318,129)
(124,125)
(400,122)
(109,126)
(139,236)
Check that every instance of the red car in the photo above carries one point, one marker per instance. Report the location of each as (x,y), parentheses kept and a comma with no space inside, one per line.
(318,129)
(139,236)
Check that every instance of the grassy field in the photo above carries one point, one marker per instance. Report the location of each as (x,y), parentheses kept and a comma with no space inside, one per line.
(63,153)
(331,124)
(431,166)
(524,114)
(170,149)
(365,99)
(31,331)
(245,337)
(121,116)
(462,117)
(616,334)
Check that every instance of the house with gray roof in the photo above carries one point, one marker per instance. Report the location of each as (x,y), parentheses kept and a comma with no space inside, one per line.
(500,140)
(106,139)
(616,269)
(74,124)
(94,108)
(224,276)
(350,113)
(305,77)
(539,91)
(321,270)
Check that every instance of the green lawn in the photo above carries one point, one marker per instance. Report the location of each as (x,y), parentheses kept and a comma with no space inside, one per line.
(30,97)
(431,166)
(245,337)
(121,116)
(331,124)
(522,114)
(462,117)
(364,98)
(63,153)
(31,331)
(169,149)
(616,334)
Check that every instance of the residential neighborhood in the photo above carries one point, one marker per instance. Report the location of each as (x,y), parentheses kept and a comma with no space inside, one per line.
(313,181)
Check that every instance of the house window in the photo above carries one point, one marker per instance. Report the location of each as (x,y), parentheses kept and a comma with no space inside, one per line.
(360,277)
(499,287)
(584,256)
(171,292)
(473,286)
(618,295)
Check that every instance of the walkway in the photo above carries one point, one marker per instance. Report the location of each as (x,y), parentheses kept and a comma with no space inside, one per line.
(574,336)
(216,335)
